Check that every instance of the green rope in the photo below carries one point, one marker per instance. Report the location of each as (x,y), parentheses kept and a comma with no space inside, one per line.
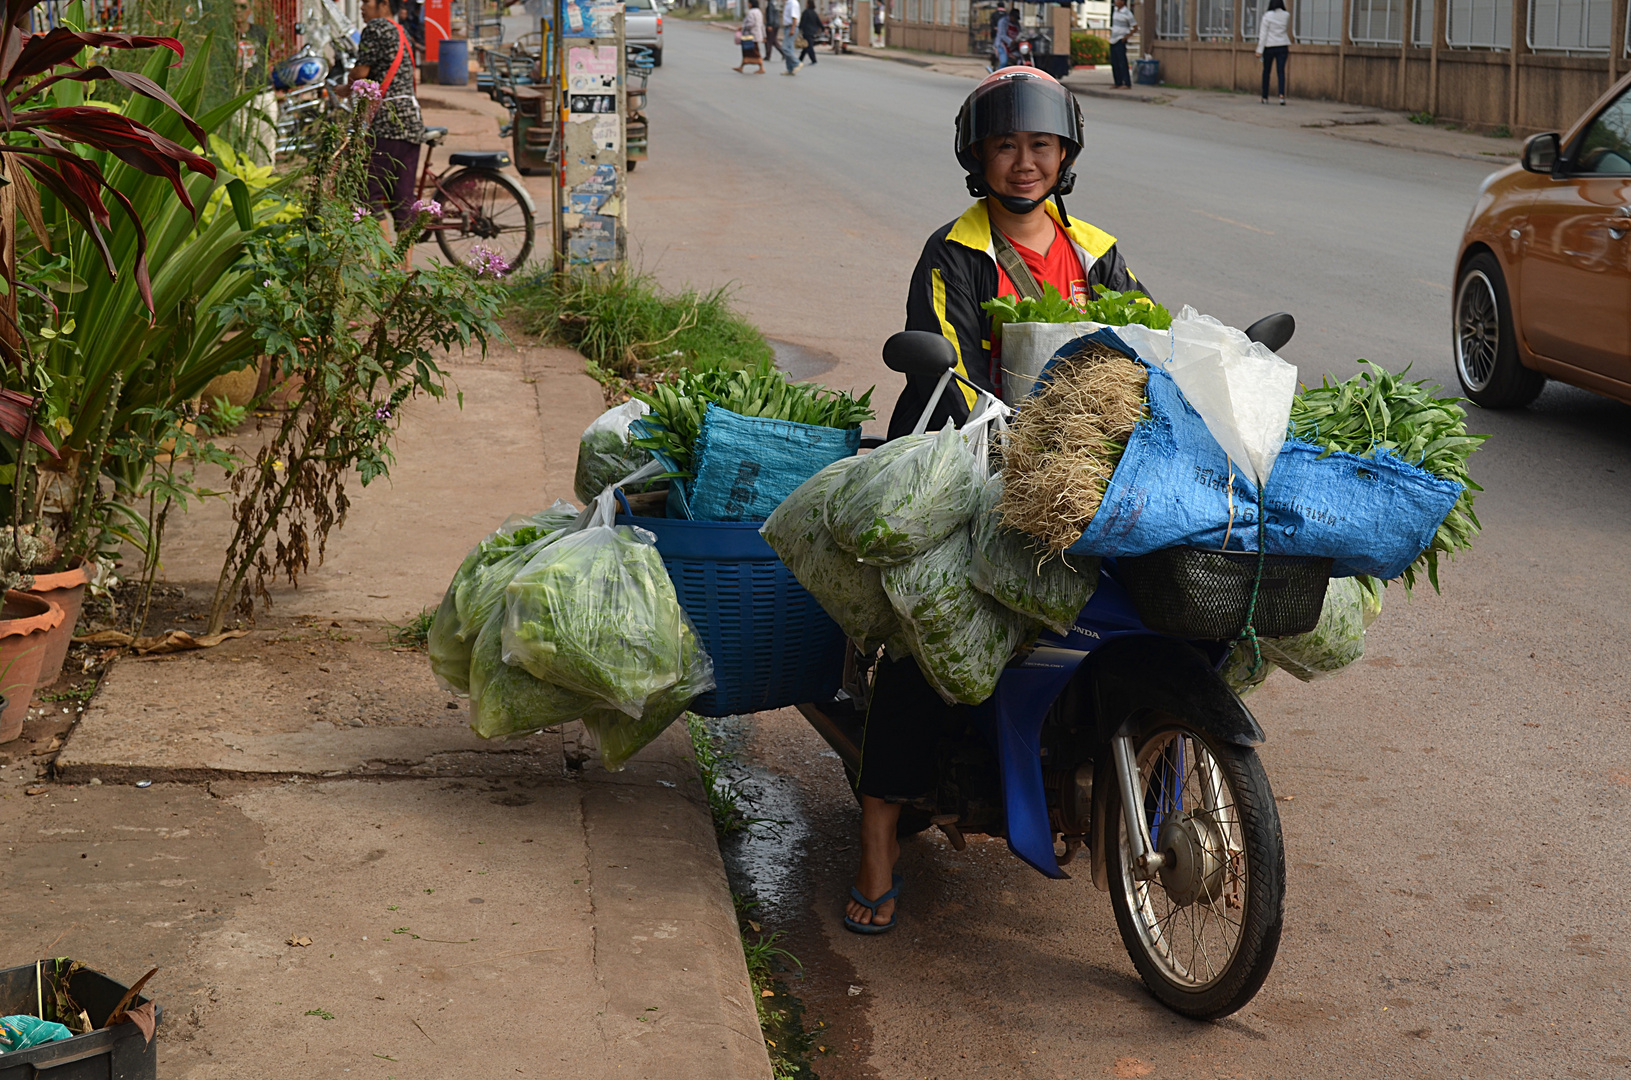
(1250,631)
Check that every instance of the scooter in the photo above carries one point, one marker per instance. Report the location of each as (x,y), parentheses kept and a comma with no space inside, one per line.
(306,83)
(1127,745)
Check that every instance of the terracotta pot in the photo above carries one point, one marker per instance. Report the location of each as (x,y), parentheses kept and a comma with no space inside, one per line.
(67,591)
(25,621)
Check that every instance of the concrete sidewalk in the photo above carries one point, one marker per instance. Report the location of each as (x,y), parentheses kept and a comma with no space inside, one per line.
(332,874)
(1354,123)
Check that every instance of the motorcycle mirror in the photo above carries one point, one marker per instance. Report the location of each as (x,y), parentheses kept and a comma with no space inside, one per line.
(918,352)
(1273,331)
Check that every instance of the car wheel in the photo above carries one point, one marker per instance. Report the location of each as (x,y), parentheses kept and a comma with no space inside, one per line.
(657,58)
(1486,348)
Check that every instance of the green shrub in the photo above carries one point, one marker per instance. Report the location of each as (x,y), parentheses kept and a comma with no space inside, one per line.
(1088,48)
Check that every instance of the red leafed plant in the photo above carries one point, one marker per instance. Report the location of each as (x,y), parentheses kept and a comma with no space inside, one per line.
(39,136)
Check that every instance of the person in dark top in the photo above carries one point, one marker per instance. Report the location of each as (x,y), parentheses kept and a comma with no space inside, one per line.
(810,29)
(385,56)
(1018,136)
(252,47)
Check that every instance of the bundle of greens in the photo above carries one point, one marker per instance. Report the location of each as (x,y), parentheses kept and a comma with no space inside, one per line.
(478,587)
(1378,410)
(677,407)
(1111,308)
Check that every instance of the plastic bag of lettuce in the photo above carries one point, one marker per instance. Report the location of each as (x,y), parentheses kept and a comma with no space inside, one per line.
(478,587)
(606,452)
(595,613)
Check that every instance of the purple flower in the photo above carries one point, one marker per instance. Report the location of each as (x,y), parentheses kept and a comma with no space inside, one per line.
(367,88)
(382,413)
(427,206)
(486,262)
(358,213)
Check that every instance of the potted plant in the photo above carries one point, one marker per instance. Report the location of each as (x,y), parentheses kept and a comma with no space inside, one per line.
(26,622)
(27,555)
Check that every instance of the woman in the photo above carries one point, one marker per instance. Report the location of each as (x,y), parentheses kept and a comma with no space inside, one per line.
(385,56)
(1011,242)
(1274,44)
(810,29)
(752,37)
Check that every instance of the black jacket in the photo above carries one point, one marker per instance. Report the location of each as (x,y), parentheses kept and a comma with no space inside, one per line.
(810,25)
(956,273)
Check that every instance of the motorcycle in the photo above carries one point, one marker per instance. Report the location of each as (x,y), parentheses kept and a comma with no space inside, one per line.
(1127,745)
(307,82)
(1019,55)
(838,29)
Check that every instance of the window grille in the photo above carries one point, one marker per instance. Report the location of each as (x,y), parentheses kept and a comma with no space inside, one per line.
(1479,24)
(1376,22)
(1169,20)
(1574,27)
(1250,12)
(1317,22)
(1215,19)
(1422,14)
(962,12)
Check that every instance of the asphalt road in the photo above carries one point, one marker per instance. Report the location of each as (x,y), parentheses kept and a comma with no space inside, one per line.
(1454,806)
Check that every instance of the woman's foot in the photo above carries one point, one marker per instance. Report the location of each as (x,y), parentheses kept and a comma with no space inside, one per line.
(1265,101)
(739,69)
(879,850)
(1282,99)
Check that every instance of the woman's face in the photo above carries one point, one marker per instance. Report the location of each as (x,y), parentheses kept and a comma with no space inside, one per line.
(1023,166)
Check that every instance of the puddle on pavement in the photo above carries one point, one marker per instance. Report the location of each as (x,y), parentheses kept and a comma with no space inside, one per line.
(799,362)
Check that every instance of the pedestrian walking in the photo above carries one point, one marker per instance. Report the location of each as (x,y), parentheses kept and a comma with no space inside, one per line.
(752,38)
(773,27)
(385,56)
(1274,44)
(791,11)
(810,29)
(878,37)
(1122,27)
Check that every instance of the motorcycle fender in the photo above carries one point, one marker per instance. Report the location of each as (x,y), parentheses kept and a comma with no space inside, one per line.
(1134,681)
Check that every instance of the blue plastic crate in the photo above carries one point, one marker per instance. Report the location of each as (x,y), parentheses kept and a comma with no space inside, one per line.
(772,645)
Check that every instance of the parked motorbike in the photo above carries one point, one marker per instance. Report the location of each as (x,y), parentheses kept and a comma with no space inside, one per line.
(307,82)
(1019,55)
(1123,744)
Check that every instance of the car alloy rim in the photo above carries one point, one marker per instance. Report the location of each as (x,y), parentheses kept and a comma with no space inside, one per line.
(1477,330)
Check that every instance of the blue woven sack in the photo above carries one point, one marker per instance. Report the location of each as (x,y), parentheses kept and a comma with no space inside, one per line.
(1174,486)
(746,465)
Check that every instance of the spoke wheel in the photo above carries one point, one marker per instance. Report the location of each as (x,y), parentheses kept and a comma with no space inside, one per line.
(1203,932)
(1477,330)
(1486,348)
(484,208)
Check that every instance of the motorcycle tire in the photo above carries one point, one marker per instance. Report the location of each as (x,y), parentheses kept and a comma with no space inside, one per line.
(1226,859)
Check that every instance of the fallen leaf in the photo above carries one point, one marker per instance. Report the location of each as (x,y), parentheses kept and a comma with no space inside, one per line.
(56,744)
(143,1016)
(35,790)
(854,991)
(767,993)
(172,641)
(757,929)
(300,942)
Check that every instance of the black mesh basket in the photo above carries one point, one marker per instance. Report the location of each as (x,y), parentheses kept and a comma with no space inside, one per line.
(1199,593)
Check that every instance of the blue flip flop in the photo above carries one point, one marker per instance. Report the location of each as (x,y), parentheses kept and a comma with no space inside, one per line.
(872,906)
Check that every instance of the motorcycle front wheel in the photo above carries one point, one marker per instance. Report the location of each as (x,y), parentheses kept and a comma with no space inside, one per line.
(1204,930)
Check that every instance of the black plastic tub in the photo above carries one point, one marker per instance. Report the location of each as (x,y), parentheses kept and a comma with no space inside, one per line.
(116,1053)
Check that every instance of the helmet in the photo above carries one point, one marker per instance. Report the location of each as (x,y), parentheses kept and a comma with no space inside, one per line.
(1009,101)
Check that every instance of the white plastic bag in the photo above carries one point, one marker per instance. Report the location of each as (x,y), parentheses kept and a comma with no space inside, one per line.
(1240,388)
(1026,349)
(604,451)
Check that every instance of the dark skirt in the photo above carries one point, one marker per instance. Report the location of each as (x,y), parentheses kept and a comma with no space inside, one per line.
(750,51)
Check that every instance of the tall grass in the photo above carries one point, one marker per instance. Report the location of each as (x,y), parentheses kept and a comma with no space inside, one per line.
(629,328)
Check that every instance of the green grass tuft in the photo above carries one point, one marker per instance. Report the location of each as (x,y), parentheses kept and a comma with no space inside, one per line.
(412,634)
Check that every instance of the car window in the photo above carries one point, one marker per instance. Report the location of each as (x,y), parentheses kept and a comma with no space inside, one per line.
(638,5)
(1606,147)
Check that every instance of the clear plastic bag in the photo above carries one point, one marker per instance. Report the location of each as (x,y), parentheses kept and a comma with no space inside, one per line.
(905,497)
(595,612)
(478,587)
(604,452)
(1336,642)
(1017,572)
(960,637)
(1237,670)
(507,702)
(849,590)
(619,736)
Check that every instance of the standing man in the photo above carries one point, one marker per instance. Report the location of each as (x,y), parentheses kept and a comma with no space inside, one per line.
(260,119)
(878,16)
(1122,26)
(790,28)
(773,25)
(1001,33)
(385,55)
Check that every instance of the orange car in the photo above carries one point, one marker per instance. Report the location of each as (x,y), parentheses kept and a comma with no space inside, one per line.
(1543,282)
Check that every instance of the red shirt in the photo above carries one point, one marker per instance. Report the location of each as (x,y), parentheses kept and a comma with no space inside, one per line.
(1059,267)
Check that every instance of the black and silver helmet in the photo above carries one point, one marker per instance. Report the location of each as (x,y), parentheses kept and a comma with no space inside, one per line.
(1013,100)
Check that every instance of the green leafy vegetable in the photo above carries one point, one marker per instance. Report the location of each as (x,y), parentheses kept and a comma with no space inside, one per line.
(1111,308)
(677,407)
(1378,410)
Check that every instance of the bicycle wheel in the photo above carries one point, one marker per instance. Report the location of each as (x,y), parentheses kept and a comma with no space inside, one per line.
(480,206)
(1203,932)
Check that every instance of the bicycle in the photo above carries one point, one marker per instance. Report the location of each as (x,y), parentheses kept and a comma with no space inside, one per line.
(480,204)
